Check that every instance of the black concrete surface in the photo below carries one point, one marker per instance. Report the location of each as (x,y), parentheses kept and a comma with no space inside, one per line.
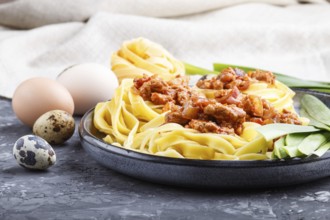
(77,187)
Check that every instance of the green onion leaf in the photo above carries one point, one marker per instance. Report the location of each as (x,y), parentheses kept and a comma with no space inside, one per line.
(292,141)
(272,131)
(278,148)
(195,70)
(295,139)
(292,151)
(312,121)
(321,150)
(316,109)
(313,142)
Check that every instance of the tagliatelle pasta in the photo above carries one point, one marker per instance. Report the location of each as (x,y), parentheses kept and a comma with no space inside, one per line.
(141,56)
(133,123)
(279,95)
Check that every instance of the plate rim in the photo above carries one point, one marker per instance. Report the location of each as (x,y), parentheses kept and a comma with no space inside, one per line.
(83,132)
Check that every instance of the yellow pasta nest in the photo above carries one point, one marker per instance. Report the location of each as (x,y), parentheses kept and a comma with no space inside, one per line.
(141,56)
(133,123)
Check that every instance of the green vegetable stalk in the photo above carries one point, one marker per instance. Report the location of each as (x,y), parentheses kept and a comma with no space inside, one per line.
(195,70)
(290,81)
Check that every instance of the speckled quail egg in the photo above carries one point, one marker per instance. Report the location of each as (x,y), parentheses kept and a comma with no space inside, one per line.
(33,152)
(55,126)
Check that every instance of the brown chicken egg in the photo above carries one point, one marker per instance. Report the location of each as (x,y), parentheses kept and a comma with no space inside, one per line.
(38,95)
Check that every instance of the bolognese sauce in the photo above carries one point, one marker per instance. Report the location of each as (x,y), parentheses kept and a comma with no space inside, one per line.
(223,114)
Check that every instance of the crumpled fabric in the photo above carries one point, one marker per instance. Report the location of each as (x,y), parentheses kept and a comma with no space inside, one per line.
(41,38)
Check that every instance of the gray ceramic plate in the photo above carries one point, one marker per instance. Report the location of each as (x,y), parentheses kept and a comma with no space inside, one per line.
(203,173)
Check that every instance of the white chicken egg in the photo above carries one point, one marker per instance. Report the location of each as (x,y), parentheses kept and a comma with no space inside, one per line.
(33,152)
(88,84)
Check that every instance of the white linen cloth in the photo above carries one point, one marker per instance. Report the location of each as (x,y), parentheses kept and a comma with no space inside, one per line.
(41,38)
